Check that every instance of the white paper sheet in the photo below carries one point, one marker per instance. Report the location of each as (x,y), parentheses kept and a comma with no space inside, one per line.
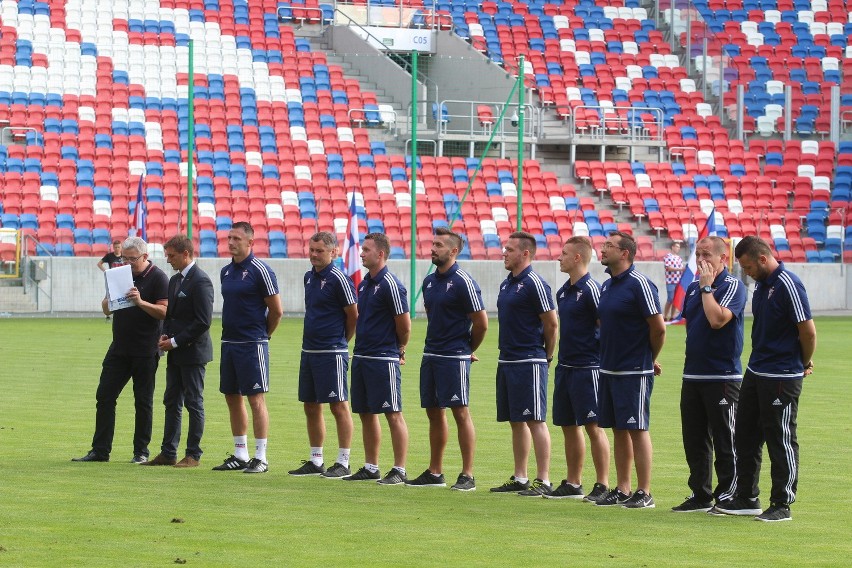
(119,281)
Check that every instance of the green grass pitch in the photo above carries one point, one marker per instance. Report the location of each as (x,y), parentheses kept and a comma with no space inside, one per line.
(57,513)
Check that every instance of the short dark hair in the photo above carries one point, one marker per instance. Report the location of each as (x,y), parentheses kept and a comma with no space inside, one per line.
(180,244)
(245,226)
(626,242)
(526,239)
(752,247)
(583,246)
(328,239)
(454,237)
(381,241)
(717,243)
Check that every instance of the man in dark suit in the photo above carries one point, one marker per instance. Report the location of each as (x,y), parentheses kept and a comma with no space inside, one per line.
(186,339)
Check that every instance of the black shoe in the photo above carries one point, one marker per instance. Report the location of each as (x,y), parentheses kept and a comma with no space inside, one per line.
(256,465)
(775,513)
(464,483)
(232,463)
(566,491)
(363,474)
(393,477)
(693,505)
(511,486)
(614,497)
(599,490)
(538,488)
(308,468)
(139,459)
(91,457)
(337,471)
(639,500)
(740,506)
(427,479)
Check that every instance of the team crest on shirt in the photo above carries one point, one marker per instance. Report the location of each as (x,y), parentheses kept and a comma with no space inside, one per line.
(322,283)
(449,285)
(769,294)
(579,295)
(520,286)
(245,273)
(376,289)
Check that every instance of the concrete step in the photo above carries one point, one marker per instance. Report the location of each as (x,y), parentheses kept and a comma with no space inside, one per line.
(13,300)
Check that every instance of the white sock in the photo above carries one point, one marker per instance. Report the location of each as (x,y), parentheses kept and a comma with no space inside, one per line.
(371,467)
(522,479)
(546,481)
(260,449)
(316,456)
(240,449)
(575,486)
(401,469)
(343,457)
(436,475)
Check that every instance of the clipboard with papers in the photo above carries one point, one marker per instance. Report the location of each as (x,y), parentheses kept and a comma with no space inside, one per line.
(119,281)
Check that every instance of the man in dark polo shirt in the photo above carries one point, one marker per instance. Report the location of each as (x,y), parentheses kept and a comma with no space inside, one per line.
(575,391)
(331,312)
(381,334)
(527,339)
(132,354)
(783,341)
(251,312)
(712,374)
(457,326)
(632,336)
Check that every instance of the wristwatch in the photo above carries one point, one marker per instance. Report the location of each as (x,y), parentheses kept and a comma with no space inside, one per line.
(706,290)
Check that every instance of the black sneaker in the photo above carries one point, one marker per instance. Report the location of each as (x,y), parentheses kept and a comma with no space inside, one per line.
(741,506)
(308,468)
(639,500)
(599,490)
(337,471)
(464,483)
(537,488)
(511,486)
(565,491)
(693,505)
(775,513)
(393,477)
(614,497)
(427,479)
(256,465)
(363,474)
(92,456)
(231,463)
(139,459)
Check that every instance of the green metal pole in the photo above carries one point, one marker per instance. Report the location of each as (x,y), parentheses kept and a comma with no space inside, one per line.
(190,141)
(412,299)
(520,185)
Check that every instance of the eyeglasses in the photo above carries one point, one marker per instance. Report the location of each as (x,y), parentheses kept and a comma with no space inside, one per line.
(609,245)
(130,259)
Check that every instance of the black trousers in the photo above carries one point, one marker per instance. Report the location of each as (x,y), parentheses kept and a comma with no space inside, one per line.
(707,415)
(184,387)
(767,414)
(116,372)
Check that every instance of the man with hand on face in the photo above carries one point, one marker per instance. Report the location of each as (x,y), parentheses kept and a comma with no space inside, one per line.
(457,326)
(527,339)
(331,312)
(186,339)
(132,354)
(714,312)
(251,312)
(381,334)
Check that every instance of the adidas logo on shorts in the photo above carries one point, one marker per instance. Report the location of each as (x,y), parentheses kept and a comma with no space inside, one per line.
(723,402)
(332,394)
(386,405)
(455,398)
(256,386)
(526,412)
(591,414)
(777,402)
(631,420)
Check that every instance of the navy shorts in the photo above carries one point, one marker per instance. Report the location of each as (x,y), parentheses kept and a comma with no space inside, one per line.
(521,391)
(376,385)
(625,401)
(244,368)
(444,382)
(575,396)
(322,377)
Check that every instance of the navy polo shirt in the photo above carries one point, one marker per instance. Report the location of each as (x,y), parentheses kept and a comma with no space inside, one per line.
(627,300)
(579,336)
(380,300)
(714,354)
(779,303)
(522,299)
(449,298)
(245,287)
(327,293)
